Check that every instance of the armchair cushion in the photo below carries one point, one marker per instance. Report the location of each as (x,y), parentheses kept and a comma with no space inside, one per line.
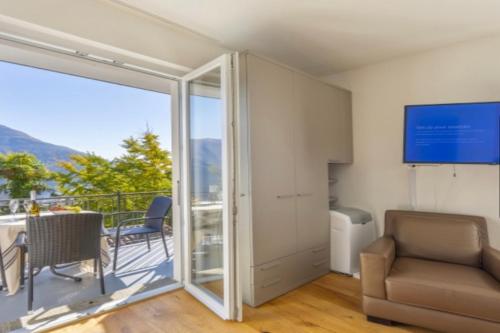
(456,239)
(491,261)
(452,288)
(376,262)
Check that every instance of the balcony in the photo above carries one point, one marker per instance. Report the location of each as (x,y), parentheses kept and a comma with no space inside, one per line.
(138,270)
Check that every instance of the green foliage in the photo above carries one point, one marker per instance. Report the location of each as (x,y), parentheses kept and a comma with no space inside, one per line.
(22,172)
(88,174)
(144,167)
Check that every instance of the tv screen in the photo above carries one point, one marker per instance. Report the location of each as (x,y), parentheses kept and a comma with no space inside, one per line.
(452,134)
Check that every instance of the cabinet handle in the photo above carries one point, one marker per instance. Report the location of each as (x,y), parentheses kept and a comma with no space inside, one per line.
(272,283)
(304,194)
(320,263)
(319,250)
(263,269)
(284,196)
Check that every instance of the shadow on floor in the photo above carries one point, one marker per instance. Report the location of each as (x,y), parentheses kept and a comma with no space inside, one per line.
(138,270)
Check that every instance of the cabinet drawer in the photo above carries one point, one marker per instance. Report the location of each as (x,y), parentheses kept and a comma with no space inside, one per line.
(320,252)
(272,271)
(314,262)
(315,254)
(273,279)
(319,268)
(270,289)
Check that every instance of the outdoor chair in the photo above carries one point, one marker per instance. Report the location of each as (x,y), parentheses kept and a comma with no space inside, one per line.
(18,244)
(153,221)
(61,240)
(2,273)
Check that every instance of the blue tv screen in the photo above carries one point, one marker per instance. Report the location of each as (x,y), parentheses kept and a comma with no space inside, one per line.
(465,133)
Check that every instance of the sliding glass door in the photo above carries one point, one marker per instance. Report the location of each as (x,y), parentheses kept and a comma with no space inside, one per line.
(209,249)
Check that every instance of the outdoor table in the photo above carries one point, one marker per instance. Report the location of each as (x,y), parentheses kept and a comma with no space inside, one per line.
(10,227)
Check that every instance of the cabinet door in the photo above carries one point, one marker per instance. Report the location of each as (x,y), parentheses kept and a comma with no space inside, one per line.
(270,104)
(310,138)
(337,115)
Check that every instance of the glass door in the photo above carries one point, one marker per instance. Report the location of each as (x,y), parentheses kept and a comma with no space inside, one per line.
(209,249)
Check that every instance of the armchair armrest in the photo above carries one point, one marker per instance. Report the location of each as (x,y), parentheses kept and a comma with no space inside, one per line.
(126,212)
(376,263)
(127,221)
(491,261)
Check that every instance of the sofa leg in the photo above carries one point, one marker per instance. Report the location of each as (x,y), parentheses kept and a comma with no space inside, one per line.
(378,320)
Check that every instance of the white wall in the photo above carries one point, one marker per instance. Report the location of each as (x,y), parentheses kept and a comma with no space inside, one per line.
(377,180)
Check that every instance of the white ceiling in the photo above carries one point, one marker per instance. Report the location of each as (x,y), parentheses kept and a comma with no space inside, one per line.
(327,36)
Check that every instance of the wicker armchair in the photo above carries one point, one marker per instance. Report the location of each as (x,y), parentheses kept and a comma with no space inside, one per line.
(63,239)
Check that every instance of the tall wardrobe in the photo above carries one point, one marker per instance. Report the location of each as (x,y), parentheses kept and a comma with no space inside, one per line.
(291,127)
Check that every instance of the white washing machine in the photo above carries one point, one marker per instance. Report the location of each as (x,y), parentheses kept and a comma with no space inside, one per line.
(352,229)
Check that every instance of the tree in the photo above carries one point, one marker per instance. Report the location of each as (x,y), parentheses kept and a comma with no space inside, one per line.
(144,167)
(88,174)
(22,173)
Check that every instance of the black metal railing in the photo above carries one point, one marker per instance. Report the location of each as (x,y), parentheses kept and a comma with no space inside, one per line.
(104,203)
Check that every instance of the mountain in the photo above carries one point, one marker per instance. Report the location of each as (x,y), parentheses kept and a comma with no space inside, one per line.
(12,140)
(206,168)
(206,157)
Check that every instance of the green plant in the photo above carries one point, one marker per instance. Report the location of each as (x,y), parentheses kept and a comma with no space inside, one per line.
(22,173)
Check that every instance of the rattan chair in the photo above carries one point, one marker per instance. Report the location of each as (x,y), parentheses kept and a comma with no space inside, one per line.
(153,220)
(63,239)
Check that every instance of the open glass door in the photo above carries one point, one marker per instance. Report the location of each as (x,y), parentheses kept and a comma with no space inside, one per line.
(208,233)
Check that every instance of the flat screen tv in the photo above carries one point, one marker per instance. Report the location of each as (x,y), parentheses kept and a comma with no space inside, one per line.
(465,133)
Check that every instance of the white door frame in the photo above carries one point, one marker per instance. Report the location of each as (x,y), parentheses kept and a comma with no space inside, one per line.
(70,65)
(229,310)
(54,61)
(176,179)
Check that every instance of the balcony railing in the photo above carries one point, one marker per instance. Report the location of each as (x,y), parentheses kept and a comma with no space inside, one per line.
(103,203)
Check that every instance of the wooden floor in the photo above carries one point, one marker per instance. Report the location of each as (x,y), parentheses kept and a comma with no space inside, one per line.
(329,304)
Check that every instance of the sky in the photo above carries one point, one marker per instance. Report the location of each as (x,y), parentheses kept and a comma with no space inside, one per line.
(90,115)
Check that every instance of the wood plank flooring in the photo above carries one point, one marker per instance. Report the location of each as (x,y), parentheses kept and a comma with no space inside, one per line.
(331,304)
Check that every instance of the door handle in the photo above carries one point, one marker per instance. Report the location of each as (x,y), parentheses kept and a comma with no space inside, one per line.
(320,263)
(271,283)
(318,249)
(178,193)
(284,196)
(263,269)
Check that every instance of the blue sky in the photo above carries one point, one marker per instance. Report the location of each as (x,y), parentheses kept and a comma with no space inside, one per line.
(89,115)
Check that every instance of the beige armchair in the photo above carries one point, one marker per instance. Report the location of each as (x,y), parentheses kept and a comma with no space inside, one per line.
(435,271)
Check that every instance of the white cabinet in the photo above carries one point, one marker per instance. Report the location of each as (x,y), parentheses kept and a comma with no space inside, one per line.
(291,126)
(311,137)
(337,113)
(270,99)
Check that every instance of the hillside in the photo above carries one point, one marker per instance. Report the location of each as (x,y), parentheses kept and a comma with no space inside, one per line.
(12,140)
(206,167)
(206,158)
